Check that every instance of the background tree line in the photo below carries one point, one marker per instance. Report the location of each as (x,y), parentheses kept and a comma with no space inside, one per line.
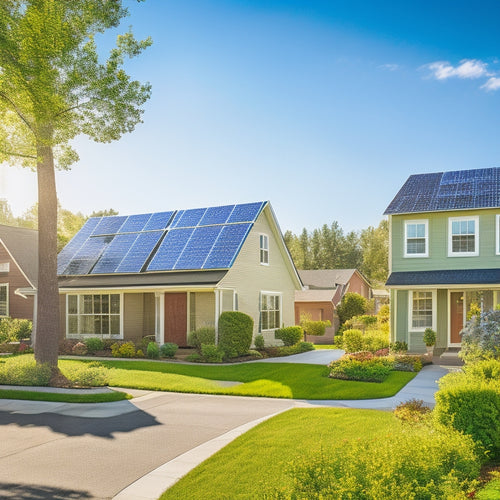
(330,248)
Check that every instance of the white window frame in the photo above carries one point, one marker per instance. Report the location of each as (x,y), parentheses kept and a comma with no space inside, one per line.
(426,252)
(4,267)
(411,328)
(497,234)
(263,249)
(451,253)
(6,285)
(83,335)
(280,299)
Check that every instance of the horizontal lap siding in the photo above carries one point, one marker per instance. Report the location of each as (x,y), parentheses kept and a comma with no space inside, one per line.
(133,316)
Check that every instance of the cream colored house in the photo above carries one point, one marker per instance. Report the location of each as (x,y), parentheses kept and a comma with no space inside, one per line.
(168,273)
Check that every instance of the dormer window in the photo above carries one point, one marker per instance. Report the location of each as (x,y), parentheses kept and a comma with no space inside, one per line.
(463,237)
(416,238)
(264,249)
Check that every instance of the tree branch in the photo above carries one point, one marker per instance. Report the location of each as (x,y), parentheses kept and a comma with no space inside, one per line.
(10,153)
(18,111)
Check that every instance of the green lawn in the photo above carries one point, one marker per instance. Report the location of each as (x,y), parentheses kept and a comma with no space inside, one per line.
(325,346)
(63,398)
(279,380)
(490,492)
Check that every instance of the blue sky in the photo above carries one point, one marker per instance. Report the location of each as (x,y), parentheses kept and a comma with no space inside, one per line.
(322,107)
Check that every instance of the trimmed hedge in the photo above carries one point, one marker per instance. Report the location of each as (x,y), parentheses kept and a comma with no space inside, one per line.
(203,335)
(290,335)
(235,333)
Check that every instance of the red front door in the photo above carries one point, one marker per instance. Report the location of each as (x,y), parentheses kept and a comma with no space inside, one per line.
(176,318)
(456,316)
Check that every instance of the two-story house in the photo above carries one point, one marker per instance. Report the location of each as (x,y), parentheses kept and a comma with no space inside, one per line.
(444,256)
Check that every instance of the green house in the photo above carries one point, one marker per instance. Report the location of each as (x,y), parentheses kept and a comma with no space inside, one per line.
(444,254)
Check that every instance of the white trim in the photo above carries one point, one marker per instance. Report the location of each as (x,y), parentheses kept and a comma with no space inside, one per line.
(448,321)
(410,310)
(497,234)
(263,243)
(425,222)
(475,218)
(274,294)
(160,317)
(390,242)
(7,305)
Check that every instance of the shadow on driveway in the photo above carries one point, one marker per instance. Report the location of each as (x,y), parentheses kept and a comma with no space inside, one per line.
(79,426)
(32,492)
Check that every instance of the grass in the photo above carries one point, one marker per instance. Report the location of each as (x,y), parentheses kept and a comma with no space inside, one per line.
(279,380)
(325,346)
(257,460)
(105,397)
(490,492)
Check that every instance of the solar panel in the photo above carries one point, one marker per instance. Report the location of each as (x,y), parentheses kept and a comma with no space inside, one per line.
(198,247)
(246,212)
(139,252)
(159,220)
(135,223)
(67,253)
(109,225)
(88,255)
(216,215)
(113,254)
(227,246)
(170,249)
(190,218)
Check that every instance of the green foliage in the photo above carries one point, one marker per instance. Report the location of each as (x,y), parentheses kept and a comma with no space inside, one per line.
(356,340)
(123,350)
(315,328)
(79,349)
(92,374)
(370,370)
(23,370)
(254,354)
(139,353)
(407,363)
(194,358)
(469,401)
(235,333)
(289,335)
(94,344)
(203,335)
(168,350)
(153,351)
(481,337)
(398,347)
(14,330)
(259,342)
(374,242)
(413,411)
(352,304)
(429,337)
(211,353)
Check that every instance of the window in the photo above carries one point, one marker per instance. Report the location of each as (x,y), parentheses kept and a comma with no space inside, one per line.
(4,300)
(94,314)
(463,239)
(270,311)
(4,267)
(416,238)
(264,249)
(421,313)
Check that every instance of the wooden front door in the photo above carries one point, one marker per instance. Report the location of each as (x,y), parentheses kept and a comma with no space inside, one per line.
(176,318)
(456,316)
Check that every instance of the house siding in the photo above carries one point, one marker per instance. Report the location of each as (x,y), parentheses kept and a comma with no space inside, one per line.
(148,314)
(319,311)
(359,285)
(204,310)
(249,278)
(133,316)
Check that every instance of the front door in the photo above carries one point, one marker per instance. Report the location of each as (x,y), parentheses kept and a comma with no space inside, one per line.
(456,316)
(176,318)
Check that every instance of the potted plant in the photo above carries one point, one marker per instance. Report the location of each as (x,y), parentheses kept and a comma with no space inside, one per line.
(429,340)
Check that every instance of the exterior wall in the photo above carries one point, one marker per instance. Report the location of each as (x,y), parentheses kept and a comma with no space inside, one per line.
(319,311)
(133,317)
(442,319)
(19,307)
(204,310)
(248,277)
(148,326)
(62,316)
(359,285)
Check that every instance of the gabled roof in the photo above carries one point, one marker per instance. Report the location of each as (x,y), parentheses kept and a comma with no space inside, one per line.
(314,295)
(456,190)
(326,278)
(181,240)
(22,244)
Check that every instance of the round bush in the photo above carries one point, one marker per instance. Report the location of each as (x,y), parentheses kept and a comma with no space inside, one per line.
(290,335)
(168,350)
(259,342)
(235,333)
(94,344)
(203,335)
(153,351)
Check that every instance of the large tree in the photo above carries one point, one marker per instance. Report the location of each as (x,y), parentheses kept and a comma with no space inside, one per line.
(54,87)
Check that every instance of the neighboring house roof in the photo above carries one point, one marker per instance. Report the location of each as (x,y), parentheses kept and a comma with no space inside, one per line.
(314,295)
(182,240)
(456,190)
(327,278)
(22,244)
(378,292)
(445,277)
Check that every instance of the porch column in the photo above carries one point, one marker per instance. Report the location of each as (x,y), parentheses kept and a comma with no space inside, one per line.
(159,317)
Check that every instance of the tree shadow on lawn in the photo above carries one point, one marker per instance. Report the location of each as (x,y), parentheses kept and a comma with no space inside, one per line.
(35,492)
(80,426)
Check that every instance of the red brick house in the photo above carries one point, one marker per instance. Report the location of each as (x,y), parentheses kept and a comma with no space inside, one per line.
(18,271)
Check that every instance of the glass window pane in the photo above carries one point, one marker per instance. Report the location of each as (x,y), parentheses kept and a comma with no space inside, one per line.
(87,304)
(105,304)
(115,303)
(411,231)
(421,230)
(72,304)
(97,324)
(73,324)
(97,304)
(455,227)
(114,321)
(265,322)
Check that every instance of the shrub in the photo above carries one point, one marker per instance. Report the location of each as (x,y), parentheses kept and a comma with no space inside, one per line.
(211,353)
(92,374)
(352,304)
(139,353)
(235,333)
(145,341)
(80,349)
(352,340)
(168,350)
(66,346)
(411,462)
(305,347)
(194,358)
(373,340)
(94,344)
(153,351)
(412,411)
(254,354)
(398,347)
(407,363)
(360,355)
(23,370)
(14,330)
(373,370)
(481,337)
(258,341)
(203,335)
(314,328)
(289,335)
(382,352)
(123,350)
(429,337)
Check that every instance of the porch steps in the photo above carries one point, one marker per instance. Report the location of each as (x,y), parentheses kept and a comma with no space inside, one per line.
(449,357)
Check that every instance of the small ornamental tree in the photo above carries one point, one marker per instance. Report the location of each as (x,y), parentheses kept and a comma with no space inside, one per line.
(481,337)
(352,304)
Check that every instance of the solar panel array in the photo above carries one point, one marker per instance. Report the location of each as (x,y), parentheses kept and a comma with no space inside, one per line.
(201,238)
(461,189)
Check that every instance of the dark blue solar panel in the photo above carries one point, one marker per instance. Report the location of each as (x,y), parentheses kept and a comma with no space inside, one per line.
(88,255)
(246,212)
(216,215)
(67,253)
(109,225)
(159,220)
(198,247)
(170,249)
(135,259)
(114,253)
(135,223)
(189,218)
(227,246)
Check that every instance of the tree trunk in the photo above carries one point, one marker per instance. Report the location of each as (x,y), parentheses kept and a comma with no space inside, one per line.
(47,326)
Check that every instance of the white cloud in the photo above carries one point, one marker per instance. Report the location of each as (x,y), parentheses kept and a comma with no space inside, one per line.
(493,83)
(468,68)
(389,67)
